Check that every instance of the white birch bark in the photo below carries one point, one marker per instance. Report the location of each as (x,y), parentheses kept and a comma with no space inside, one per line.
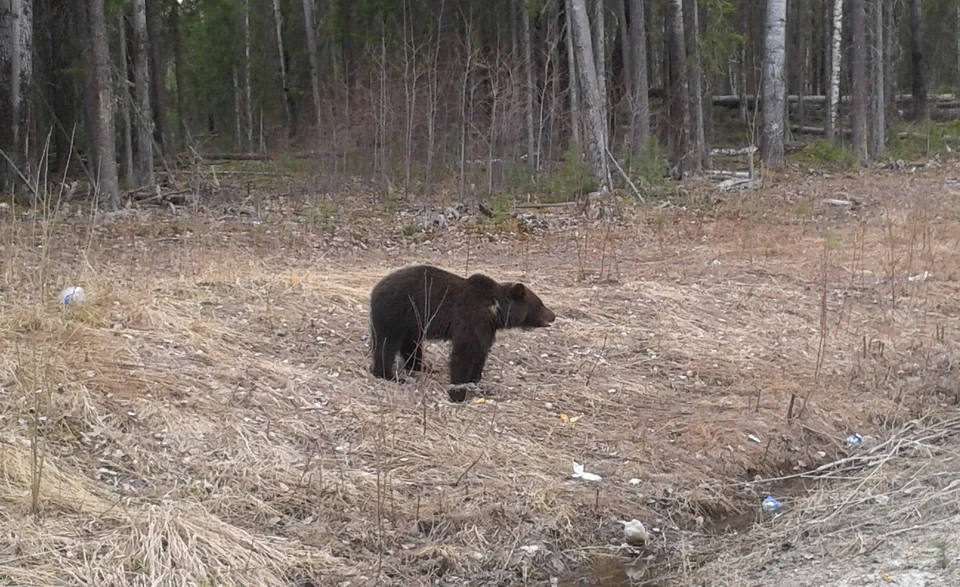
(774,48)
(833,108)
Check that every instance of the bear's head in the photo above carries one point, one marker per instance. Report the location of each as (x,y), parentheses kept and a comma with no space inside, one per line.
(525,309)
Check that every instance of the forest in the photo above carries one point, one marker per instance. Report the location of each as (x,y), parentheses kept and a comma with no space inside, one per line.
(414,92)
(743,216)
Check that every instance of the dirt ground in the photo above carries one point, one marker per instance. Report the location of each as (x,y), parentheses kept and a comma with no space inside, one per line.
(205,416)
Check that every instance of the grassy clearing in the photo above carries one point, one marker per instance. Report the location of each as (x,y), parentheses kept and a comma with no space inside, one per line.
(206,416)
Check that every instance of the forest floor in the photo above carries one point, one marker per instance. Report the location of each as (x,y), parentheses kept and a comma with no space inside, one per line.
(206,417)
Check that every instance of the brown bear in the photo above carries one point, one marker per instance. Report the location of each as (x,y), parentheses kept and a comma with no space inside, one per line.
(421,303)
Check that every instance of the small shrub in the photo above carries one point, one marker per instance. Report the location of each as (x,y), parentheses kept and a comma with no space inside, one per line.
(571,180)
(502,208)
(826,154)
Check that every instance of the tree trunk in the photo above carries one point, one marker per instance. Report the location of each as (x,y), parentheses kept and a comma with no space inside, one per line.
(248,103)
(640,106)
(598,36)
(593,114)
(678,99)
(696,95)
(833,98)
(310,23)
(859,113)
(531,88)
(285,86)
(63,97)
(123,100)
(628,70)
(237,109)
(91,108)
(575,119)
(141,82)
(16,87)
(178,71)
(774,49)
(106,170)
(918,74)
(878,126)
(158,70)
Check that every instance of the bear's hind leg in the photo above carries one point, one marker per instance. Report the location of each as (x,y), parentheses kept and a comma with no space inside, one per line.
(384,356)
(412,353)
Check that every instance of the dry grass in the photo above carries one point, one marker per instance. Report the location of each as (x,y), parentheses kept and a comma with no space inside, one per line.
(206,416)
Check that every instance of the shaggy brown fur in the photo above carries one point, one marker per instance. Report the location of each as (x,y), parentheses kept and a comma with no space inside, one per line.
(421,303)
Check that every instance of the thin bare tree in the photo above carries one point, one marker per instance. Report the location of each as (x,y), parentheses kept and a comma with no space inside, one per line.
(774,51)
(698,132)
(530,89)
(576,121)
(123,101)
(878,124)
(158,76)
(284,83)
(918,73)
(248,102)
(142,110)
(310,23)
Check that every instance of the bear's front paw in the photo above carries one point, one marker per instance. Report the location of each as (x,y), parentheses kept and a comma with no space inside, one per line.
(458,391)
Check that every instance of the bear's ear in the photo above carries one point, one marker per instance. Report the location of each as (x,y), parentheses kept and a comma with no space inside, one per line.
(517,291)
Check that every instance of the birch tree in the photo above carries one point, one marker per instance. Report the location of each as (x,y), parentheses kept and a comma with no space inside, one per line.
(141,82)
(878,125)
(531,89)
(833,89)
(598,36)
(696,92)
(678,95)
(596,140)
(859,114)
(774,50)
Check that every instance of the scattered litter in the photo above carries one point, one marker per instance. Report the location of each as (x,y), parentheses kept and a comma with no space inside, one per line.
(634,532)
(919,277)
(530,549)
(753,438)
(568,419)
(771,505)
(72,294)
(579,472)
(634,481)
(853,441)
